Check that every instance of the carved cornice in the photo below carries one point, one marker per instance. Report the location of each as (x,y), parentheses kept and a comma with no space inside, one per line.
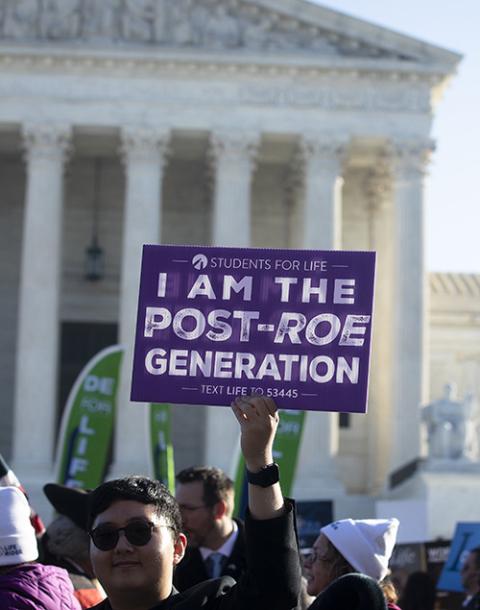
(50,141)
(410,157)
(362,94)
(121,61)
(143,143)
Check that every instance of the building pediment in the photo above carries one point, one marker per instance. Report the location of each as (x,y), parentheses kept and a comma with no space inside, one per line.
(290,27)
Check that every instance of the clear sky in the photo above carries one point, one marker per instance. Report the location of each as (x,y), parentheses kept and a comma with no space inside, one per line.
(452,200)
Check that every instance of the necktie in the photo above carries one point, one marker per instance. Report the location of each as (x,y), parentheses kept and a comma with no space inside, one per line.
(214,564)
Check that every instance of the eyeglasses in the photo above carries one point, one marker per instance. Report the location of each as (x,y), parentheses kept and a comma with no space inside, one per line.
(138,533)
(313,556)
(191,509)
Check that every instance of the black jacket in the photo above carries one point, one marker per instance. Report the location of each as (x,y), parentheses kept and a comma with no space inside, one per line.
(192,569)
(271,581)
(351,592)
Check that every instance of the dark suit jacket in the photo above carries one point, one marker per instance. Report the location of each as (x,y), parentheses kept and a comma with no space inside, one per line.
(192,570)
(271,581)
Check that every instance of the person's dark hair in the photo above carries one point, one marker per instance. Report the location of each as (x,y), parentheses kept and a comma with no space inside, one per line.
(337,563)
(139,489)
(419,592)
(216,484)
(476,552)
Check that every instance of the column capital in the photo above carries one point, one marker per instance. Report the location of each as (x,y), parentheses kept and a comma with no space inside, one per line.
(410,157)
(46,141)
(234,144)
(378,183)
(322,146)
(144,143)
(324,151)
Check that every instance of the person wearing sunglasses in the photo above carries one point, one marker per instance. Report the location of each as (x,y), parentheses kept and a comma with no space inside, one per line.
(137,540)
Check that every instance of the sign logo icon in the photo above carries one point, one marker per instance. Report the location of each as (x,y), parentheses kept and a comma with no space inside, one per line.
(200,261)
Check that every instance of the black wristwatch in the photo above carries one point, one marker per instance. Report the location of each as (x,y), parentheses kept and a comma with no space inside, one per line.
(268,475)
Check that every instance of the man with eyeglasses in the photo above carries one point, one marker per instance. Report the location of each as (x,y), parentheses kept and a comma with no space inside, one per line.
(216,541)
(136,537)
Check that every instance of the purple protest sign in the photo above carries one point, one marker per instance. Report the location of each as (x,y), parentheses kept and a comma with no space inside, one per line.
(214,323)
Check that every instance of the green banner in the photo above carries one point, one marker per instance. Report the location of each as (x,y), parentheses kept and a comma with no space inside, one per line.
(88,421)
(287,445)
(285,452)
(161,445)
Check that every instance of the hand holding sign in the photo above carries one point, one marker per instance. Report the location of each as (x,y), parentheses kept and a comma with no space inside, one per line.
(258,419)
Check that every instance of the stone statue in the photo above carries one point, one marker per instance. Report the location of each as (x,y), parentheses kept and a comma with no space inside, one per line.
(21,18)
(256,33)
(181,27)
(221,30)
(3,9)
(61,19)
(100,19)
(452,427)
(139,20)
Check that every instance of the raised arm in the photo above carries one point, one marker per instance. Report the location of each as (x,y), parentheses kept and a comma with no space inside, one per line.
(258,419)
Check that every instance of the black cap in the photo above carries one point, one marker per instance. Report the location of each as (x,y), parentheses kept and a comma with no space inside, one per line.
(69,501)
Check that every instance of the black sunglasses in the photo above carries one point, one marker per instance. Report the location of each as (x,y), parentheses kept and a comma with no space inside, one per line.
(138,533)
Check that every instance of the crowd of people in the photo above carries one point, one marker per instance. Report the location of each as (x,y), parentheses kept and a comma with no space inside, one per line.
(131,545)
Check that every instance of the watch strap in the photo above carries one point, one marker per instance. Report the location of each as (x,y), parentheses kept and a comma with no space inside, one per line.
(267,476)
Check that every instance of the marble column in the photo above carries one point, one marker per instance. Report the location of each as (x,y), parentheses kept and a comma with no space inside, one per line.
(232,154)
(144,153)
(321,158)
(46,146)
(321,164)
(378,193)
(410,382)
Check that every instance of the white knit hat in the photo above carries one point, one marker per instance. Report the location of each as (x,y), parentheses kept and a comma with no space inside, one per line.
(17,536)
(366,544)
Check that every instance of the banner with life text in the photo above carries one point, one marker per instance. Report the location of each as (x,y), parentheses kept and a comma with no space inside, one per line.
(88,421)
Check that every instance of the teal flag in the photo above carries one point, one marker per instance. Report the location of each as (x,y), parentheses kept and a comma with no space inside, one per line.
(88,420)
(285,452)
(161,445)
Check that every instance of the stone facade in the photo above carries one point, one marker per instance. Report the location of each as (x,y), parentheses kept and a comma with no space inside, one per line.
(263,123)
(455,332)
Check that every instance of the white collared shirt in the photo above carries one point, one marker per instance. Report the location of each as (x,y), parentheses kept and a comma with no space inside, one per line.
(226,548)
